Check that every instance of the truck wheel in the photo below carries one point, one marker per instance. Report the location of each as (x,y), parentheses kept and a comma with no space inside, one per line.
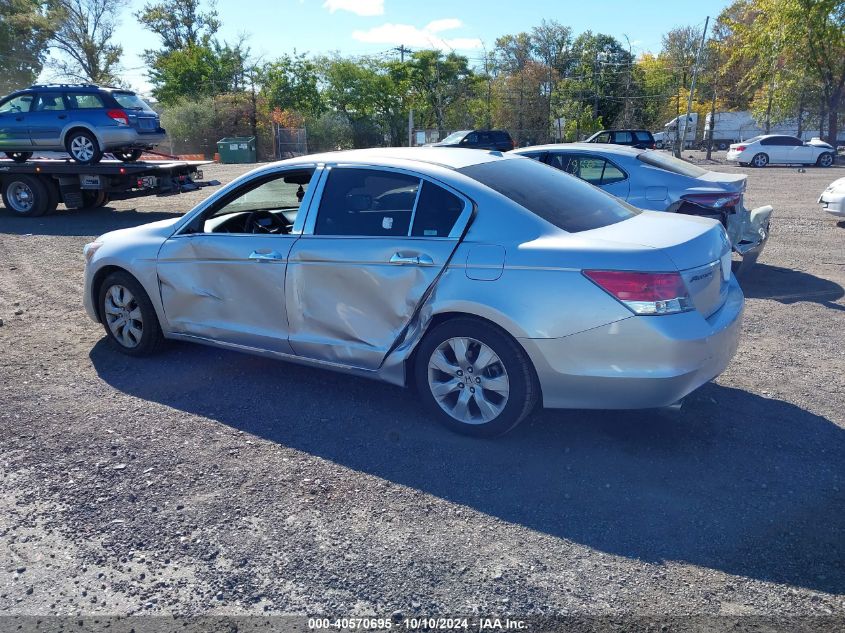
(25,196)
(19,157)
(722,146)
(94,199)
(53,195)
(83,147)
(129,156)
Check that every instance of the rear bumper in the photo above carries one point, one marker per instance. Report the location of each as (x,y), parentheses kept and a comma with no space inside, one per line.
(639,362)
(123,137)
(753,236)
(734,156)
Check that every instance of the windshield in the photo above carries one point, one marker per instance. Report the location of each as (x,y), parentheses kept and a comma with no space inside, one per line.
(563,200)
(455,137)
(130,101)
(670,163)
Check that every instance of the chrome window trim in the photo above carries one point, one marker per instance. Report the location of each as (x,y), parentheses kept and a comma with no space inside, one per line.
(245,180)
(457,228)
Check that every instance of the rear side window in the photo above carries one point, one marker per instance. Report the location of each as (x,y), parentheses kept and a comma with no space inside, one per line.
(622,137)
(670,163)
(437,212)
(130,101)
(84,101)
(565,202)
(366,202)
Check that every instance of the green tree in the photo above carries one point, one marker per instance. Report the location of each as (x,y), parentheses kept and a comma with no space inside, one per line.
(439,84)
(290,83)
(83,40)
(179,24)
(26,27)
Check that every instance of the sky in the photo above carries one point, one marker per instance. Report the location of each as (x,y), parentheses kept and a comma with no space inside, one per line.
(365,27)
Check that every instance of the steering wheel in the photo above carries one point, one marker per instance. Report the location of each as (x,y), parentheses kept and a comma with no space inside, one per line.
(252,223)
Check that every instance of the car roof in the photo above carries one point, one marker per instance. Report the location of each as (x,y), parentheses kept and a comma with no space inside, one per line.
(76,88)
(608,148)
(442,156)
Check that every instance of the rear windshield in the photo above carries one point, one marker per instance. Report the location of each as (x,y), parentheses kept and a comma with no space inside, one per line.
(670,163)
(563,200)
(130,101)
(643,136)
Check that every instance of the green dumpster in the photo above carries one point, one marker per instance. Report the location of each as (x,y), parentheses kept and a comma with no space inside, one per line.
(236,149)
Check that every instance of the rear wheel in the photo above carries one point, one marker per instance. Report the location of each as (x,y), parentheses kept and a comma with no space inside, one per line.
(825,160)
(128,315)
(19,157)
(128,156)
(25,196)
(760,160)
(723,146)
(83,147)
(94,199)
(51,186)
(474,378)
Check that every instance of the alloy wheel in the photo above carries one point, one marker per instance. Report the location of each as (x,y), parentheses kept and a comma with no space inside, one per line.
(468,380)
(826,160)
(123,316)
(81,148)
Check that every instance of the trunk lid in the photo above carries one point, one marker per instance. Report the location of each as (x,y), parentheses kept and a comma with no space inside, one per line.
(697,246)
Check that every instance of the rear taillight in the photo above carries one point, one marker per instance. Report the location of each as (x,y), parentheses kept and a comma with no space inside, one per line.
(713,200)
(644,293)
(653,146)
(513,144)
(119,115)
(741,148)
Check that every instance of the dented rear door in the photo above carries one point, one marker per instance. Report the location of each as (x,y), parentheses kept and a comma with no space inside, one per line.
(379,240)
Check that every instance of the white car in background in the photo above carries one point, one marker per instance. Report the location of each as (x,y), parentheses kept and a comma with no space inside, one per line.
(833,198)
(777,149)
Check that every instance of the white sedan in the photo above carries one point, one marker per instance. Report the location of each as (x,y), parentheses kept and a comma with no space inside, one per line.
(833,198)
(781,150)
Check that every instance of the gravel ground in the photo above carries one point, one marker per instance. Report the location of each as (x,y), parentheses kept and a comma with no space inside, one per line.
(207,482)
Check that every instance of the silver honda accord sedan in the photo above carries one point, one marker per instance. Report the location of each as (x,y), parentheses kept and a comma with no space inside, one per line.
(491,282)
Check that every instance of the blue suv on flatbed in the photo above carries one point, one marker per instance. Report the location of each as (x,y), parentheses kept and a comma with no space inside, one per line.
(83,120)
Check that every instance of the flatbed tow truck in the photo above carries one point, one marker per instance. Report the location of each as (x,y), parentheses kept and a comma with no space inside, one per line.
(36,187)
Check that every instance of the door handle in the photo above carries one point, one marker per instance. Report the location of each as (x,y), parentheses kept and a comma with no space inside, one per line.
(62,116)
(18,118)
(272,256)
(415,260)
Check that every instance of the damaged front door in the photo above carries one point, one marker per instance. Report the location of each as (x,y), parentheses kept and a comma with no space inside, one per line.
(379,240)
(222,277)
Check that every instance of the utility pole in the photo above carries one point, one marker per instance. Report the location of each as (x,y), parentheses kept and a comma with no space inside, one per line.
(692,88)
(402,49)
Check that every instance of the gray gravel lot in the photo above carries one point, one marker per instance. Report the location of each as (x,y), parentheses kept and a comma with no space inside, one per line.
(206,482)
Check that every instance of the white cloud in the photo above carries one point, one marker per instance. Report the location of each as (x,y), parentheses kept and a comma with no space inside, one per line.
(359,7)
(427,37)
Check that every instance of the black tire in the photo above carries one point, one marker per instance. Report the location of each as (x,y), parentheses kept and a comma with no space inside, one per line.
(151,338)
(760,160)
(94,199)
(523,388)
(25,196)
(93,153)
(19,157)
(53,195)
(825,160)
(129,156)
(723,146)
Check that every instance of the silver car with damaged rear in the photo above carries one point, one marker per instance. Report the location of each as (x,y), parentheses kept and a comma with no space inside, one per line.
(660,182)
(491,282)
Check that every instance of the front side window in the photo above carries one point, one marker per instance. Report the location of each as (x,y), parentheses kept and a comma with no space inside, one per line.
(266,205)
(366,202)
(548,193)
(21,103)
(85,101)
(49,102)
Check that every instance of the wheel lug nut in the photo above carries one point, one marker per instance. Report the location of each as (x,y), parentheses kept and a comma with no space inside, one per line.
(478,380)
(460,385)
(469,369)
(472,389)
(460,373)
